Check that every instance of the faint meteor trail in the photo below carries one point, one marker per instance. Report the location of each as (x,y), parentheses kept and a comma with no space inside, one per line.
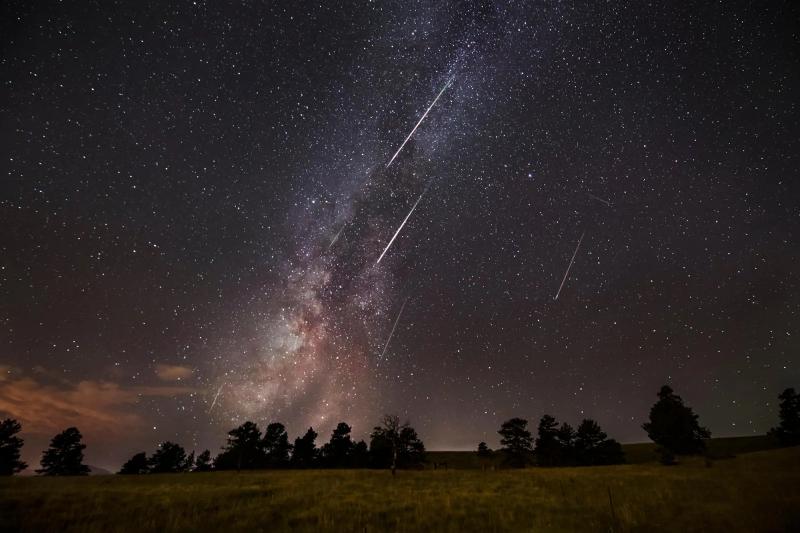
(599,199)
(570,266)
(336,237)
(446,85)
(215,398)
(401,226)
(391,333)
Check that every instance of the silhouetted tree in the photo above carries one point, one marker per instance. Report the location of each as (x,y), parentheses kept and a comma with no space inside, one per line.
(338,451)
(305,450)
(516,442)
(548,449)
(484,450)
(10,446)
(244,449)
(484,454)
(169,458)
(138,464)
(276,445)
(395,445)
(203,462)
(565,436)
(412,450)
(65,455)
(593,447)
(384,443)
(788,431)
(674,427)
(360,456)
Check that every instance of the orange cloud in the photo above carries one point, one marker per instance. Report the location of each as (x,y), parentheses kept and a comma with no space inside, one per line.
(173,372)
(98,408)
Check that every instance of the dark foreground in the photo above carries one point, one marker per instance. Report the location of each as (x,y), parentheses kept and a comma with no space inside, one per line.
(752,492)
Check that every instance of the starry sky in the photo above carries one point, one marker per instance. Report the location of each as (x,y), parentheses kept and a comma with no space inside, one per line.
(195,196)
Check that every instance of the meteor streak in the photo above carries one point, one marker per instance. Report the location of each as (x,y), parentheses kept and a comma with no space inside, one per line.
(401,227)
(336,237)
(570,266)
(599,199)
(215,398)
(391,333)
(446,85)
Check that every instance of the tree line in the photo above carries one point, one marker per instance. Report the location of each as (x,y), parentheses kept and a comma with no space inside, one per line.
(672,425)
(555,445)
(392,445)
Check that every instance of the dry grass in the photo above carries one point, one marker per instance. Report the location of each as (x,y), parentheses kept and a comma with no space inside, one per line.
(754,492)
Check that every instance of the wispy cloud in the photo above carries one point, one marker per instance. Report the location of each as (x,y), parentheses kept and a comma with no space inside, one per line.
(101,409)
(173,372)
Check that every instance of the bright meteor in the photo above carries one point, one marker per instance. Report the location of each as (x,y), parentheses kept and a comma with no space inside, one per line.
(446,85)
(401,227)
(570,266)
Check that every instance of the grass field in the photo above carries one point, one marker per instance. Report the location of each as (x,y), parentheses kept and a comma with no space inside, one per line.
(752,492)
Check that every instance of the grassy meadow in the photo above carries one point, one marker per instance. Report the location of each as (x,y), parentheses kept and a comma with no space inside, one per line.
(752,492)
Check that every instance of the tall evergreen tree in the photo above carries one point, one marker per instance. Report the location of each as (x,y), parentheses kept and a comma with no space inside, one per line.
(788,431)
(565,436)
(548,449)
(516,442)
(65,455)
(674,426)
(276,445)
(138,464)
(593,447)
(244,449)
(338,451)
(305,453)
(203,462)
(10,446)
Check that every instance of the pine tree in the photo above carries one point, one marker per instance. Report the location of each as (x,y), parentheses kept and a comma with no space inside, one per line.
(674,426)
(65,455)
(203,462)
(788,431)
(244,449)
(565,436)
(10,446)
(337,452)
(483,450)
(168,458)
(304,454)
(276,445)
(547,449)
(516,442)
(593,447)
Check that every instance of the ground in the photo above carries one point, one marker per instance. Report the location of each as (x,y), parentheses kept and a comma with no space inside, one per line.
(752,492)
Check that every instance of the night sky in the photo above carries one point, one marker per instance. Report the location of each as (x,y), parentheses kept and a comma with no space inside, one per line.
(195,196)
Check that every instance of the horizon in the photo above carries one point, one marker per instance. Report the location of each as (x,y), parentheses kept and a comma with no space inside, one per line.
(33,459)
